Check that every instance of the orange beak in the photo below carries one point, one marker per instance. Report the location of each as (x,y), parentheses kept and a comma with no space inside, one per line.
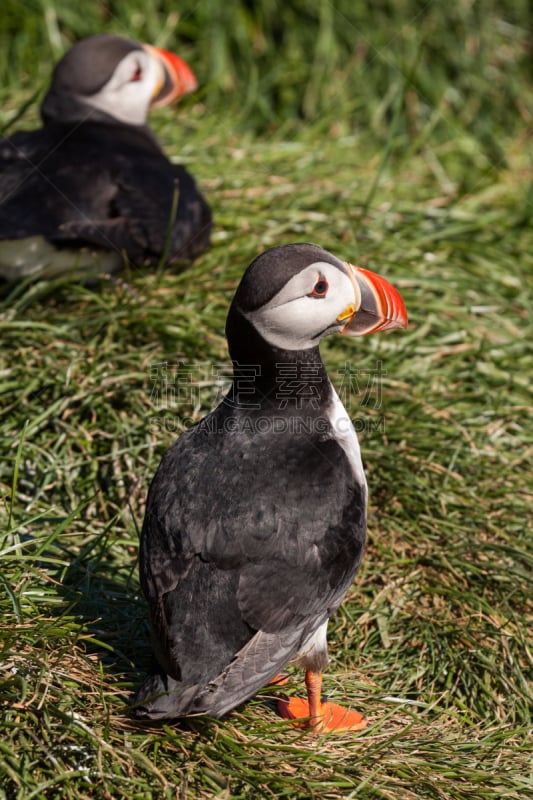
(177,78)
(377,306)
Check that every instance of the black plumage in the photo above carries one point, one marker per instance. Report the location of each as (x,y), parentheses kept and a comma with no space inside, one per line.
(89,179)
(256,519)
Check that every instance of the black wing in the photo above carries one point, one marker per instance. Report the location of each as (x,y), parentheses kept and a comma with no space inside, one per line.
(164,199)
(106,186)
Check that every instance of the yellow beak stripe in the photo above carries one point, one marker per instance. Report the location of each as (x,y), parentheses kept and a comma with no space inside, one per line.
(348,313)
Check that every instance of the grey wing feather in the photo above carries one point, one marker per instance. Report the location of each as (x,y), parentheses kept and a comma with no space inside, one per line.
(257,663)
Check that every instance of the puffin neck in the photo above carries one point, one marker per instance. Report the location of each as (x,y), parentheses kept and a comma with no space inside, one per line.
(70,108)
(268,377)
(71,112)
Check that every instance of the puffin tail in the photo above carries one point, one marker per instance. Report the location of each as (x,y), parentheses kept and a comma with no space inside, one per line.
(162,697)
(257,663)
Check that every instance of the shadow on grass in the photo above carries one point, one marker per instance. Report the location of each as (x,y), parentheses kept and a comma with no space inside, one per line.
(106,600)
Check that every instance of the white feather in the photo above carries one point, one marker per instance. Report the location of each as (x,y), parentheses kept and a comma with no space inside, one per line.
(125,99)
(313,652)
(346,436)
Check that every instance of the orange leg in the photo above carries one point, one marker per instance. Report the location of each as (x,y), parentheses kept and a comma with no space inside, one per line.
(313,713)
(313,684)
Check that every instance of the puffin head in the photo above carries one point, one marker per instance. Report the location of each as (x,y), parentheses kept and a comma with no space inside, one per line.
(296,294)
(115,77)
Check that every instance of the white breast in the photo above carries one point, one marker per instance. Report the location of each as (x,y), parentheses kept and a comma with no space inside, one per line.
(346,436)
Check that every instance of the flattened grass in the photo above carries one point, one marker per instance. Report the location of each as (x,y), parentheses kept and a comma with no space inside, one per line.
(433,641)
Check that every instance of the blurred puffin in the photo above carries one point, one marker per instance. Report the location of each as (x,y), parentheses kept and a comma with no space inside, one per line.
(94,176)
(256,519)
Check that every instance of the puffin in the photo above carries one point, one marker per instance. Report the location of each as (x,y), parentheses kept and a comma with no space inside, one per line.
(92,186)
(255,521)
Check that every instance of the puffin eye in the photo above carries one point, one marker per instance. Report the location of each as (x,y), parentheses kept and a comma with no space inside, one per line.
(320,289)
(137,74)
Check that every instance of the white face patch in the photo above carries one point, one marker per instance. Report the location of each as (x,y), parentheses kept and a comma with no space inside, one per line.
(125,96)
(300,314)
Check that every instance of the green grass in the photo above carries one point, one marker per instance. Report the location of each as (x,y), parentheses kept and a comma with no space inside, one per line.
(419,166)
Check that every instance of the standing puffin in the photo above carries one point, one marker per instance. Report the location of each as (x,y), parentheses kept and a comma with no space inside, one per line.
(94,176)
(255,522)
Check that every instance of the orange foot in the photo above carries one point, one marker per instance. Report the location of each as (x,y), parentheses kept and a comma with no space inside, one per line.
(331,717)
(280,680)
